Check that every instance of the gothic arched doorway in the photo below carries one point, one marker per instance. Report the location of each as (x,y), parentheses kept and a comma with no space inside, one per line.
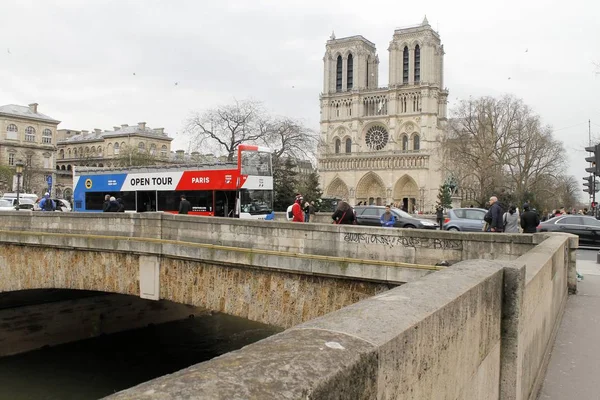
(337,188)
(371,190)
(406,193)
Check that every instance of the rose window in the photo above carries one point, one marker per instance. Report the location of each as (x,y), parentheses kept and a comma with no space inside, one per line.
(377,137)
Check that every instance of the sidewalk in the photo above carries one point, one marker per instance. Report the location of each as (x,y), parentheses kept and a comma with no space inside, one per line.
(574,369)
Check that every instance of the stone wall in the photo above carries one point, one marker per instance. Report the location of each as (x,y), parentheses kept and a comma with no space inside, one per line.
(361,242)
(478,330)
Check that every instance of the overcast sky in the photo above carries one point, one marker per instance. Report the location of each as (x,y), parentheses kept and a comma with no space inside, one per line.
(77,59)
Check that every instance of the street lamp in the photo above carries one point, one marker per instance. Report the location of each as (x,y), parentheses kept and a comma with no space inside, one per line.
(19,170)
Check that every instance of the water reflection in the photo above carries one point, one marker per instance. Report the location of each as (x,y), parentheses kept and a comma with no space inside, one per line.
(97,367)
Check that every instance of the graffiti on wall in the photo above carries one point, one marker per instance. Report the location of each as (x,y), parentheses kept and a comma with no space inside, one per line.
(402,241)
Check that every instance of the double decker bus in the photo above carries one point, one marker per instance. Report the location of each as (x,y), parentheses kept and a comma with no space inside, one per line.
(241,190)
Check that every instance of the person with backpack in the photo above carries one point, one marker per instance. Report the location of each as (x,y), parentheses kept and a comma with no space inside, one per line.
(344,214)
(47,204)
(297,213)
(529,219)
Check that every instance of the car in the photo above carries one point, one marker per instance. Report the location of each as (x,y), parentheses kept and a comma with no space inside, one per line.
(10,204)
(584,226)
(61,205)
(370,215)
(464,219)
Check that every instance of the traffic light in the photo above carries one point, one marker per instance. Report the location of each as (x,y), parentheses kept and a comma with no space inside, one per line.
(594,159)
(591,185)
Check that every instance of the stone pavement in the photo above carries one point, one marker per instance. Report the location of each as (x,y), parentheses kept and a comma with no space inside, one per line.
(574,369)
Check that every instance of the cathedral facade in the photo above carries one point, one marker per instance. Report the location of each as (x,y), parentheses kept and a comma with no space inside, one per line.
(379,145)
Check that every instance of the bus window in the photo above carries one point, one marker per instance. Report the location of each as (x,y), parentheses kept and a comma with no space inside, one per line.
(200,200)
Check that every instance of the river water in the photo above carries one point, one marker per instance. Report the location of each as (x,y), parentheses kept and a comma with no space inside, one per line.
(98,367)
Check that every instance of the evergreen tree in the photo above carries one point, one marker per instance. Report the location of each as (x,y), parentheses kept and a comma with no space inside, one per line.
(285,183)
(309,187)
(444,198)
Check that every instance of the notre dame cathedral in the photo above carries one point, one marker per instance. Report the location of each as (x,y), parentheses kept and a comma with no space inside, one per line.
(380,144)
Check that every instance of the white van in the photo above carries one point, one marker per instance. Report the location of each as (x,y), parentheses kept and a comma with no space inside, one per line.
(31,196)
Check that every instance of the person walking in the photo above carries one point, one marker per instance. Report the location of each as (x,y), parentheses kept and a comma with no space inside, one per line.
(184,205)
(494,215)
(387,219)
(529,220)
(312,210)
(47,204)
(510,220)
(306,212)
(297,214)
(121,205)
(344,214)
(113,205)
(439,215)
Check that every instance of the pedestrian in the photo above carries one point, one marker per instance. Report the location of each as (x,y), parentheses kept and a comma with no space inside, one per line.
(510,220)
(306,212)
(106,203)
(312,210)
(387,219)
(439,215)
(113,205)
(47,204)
(297,215)
(494,215)
(184,205)
(344,214)
(529,220)
(121,205)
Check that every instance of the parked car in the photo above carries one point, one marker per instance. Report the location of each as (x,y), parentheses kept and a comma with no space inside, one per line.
(10,204)
(586,227)
(370,215)
(464,219)
(61,205)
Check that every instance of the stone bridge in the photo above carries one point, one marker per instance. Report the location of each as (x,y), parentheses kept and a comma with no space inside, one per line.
(481,328)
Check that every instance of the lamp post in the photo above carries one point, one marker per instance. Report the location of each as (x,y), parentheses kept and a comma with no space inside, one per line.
(19,170)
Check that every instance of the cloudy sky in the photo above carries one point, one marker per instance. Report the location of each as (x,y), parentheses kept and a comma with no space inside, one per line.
(109,62)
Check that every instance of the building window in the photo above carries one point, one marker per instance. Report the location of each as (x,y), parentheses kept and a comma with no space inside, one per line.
(141,146)
(348,145)
(152,149)
(29,161)
(30,134)
(417,63)
(47,136)
(338,75)
(12,132)
(338,144)
(116,151)
(163,151)
(350,72)
(404,143)
(11,158)
(416,142)
(61,154)
(376,137)
(405,65)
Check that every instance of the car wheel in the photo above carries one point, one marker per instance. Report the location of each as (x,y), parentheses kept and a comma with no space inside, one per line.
(453,228)
(409,226)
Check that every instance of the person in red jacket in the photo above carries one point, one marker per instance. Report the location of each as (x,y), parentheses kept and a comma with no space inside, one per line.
(297,209)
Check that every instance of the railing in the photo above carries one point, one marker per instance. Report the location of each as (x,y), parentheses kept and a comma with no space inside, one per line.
(388,161)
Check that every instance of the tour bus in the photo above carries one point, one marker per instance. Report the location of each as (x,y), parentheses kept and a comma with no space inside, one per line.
(242,190)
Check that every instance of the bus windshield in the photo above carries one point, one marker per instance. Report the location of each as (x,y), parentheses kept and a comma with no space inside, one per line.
(256,163)
(256,202)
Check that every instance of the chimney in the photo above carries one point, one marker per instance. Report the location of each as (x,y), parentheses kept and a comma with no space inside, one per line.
(160,131)
(33,107)
(98,131)
(116,128)
(84,131)
(141,126)
(124,125)
(180,154)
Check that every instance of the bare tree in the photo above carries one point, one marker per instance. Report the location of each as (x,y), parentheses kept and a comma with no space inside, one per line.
(500,146)
(224,128)
(289,137)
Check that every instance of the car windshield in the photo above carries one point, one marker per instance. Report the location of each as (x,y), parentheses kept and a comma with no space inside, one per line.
(5,203)
(403,214)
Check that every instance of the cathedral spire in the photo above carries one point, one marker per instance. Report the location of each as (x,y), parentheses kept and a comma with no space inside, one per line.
(332,37)
(425,22)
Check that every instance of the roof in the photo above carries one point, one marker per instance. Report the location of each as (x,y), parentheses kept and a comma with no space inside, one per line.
(153,168)
(25,112)
(124,131)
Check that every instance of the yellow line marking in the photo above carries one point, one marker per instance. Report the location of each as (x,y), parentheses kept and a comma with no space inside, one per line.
(236,249)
